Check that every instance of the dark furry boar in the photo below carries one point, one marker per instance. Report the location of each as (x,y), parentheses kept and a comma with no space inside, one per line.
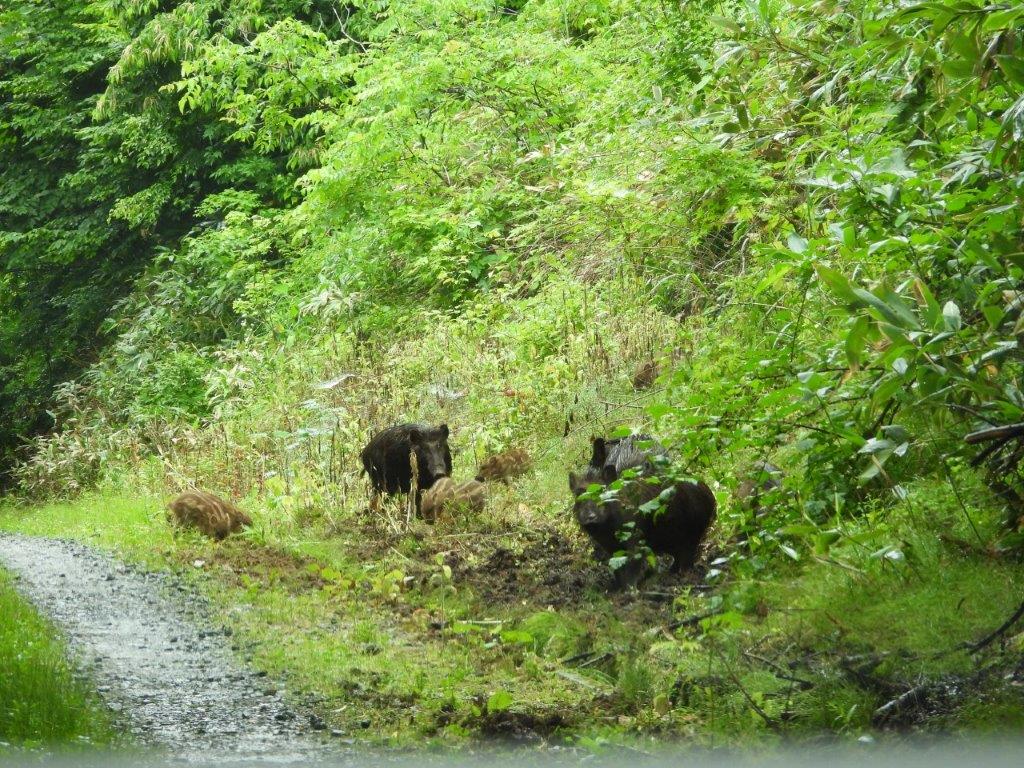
(613,457)
(387,458)
(504,466)
(208,513)
(676,530)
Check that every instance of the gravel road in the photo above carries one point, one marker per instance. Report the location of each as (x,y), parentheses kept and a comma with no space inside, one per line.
(158,660)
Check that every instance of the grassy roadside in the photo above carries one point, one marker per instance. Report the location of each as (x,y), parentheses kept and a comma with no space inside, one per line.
(481,629)
(41,701)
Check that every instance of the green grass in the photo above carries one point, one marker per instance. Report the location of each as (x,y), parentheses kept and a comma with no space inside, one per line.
(41,701)
(396,652)
(136,525)
(948,588)
(912,615)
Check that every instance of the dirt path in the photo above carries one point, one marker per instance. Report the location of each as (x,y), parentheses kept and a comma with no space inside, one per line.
(157,658)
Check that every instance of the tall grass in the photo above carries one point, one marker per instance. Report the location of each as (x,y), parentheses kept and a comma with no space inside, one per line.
(41,701)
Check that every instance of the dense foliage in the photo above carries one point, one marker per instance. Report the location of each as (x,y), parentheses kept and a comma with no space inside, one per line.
(100,174)
(237,236)
(844,175)
(446,150)
(900,126)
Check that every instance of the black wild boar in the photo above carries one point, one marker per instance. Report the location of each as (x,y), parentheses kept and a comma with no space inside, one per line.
(613,457)
(386,458)
(676,530)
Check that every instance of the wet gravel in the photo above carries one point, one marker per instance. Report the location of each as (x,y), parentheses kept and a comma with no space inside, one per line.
(158,660)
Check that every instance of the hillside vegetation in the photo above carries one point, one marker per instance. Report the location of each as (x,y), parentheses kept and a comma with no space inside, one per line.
(239,236)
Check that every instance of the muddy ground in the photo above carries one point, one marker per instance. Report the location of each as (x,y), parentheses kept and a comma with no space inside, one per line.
(158,660)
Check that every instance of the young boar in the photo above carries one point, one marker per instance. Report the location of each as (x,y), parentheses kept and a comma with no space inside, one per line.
(386,458)
(445,497)
(504,466)
(645,376)
(470,496)
(210,514)
(434,498)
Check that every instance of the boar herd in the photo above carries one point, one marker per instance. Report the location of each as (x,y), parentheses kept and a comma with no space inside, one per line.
(623,499)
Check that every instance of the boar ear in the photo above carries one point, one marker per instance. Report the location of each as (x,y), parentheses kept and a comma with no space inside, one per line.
(414,436)
(444,430)
(600,452)
(608,473)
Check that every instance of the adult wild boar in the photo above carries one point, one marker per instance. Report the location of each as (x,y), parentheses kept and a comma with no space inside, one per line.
(387,458)
(677,529)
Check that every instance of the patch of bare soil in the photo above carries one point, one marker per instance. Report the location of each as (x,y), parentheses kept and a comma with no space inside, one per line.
(519,726)
(545,568)
(541,568)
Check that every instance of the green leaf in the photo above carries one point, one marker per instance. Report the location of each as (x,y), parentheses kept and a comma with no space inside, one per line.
(903,310)
(824,541)
(499,701)
(875,445)
(932,312)
(883,310)
(617,562)
(951,315)
(1000,20)
(886,388)
(773,277)
(658,410)
(651,506)
(1012,68)
(993,315)
(790,552)
(837,283)
(870,473)
(726,24)
(796,243)
(856,339)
